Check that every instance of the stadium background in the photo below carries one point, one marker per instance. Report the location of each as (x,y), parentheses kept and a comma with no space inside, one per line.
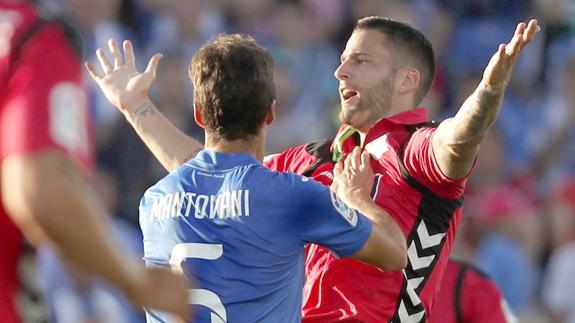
(520,206)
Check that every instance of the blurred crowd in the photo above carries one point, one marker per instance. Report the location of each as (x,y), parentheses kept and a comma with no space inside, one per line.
(519,213)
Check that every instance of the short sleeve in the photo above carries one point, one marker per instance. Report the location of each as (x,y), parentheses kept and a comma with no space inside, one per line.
(298,159)
(44,104)
(320,217)
(420,161)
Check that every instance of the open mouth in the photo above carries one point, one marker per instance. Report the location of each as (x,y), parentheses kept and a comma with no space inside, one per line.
(348,95)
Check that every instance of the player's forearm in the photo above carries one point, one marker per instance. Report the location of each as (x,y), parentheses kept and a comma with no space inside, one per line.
(474,118)
(44,196)
(169,145)
(392,251)
(456,141)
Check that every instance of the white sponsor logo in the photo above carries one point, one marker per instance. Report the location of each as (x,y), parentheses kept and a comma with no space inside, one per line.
(350,215)
(377,147)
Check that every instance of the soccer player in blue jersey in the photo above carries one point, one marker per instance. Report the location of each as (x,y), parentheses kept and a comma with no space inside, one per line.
(237,226)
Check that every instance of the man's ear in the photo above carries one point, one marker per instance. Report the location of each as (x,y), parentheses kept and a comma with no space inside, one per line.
(198,116)
(408,80)
(271,116)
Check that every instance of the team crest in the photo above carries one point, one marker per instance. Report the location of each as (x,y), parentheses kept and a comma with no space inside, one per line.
(350,215)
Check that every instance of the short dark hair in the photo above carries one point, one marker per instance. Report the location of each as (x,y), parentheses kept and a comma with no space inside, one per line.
(406,40)
(233,85)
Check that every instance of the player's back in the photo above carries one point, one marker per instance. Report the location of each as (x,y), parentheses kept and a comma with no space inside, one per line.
(240,229)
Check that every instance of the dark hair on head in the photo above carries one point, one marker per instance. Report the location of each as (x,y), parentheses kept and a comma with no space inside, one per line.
(406,42)
(233,85)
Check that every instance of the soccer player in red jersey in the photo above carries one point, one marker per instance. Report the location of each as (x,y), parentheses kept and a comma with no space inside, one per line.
(386,69)
(467,295)
(46,156)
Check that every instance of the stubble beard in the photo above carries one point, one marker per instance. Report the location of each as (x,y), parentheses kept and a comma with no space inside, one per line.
(371,109)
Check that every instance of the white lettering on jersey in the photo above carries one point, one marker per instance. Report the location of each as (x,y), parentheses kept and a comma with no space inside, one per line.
(350,215)
(68,117)
(225,205)
(201,206)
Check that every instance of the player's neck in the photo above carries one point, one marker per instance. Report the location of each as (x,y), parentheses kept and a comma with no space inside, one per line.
(253,146)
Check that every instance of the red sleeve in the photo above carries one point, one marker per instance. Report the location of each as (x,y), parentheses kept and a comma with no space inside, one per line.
(276,161)
(295,159)
(420,162)
(45,103)
(481,301)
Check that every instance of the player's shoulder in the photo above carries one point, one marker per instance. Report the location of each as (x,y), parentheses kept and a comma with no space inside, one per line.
(283,178)
(168,183)
(285,183)
(416,136)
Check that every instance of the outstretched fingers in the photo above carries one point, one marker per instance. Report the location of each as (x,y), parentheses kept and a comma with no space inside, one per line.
(104,62)
(530,31)
(520,28)
(153,64)
(115,50)
(501,50)
(523,35)
(514,47)
(92,71)
(129,53)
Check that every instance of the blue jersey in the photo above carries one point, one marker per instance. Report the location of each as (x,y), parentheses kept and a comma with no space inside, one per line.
(239,229)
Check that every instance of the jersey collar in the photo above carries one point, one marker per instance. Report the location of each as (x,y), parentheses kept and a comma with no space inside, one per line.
(383,126)
(216,160)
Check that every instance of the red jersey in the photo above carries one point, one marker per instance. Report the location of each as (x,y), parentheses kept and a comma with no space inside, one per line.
(42,105)
(469,296)
(424,202)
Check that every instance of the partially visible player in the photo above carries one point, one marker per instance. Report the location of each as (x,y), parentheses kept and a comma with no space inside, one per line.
(238,226)
(467,295)
(46,155)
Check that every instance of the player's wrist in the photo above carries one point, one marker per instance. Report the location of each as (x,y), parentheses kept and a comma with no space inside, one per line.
(495,90)
(132,108)
(358,199)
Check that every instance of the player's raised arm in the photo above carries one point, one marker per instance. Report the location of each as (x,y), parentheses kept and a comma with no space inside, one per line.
(456,142)
(127,89)
(386,247)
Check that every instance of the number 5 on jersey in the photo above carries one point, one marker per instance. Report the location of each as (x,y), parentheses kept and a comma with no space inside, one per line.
(198,296)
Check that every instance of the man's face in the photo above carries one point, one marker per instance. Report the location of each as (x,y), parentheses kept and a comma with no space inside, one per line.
(366,77)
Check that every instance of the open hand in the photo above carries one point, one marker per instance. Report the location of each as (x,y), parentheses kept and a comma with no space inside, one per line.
(121,83)
(498,71)
(353,177)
